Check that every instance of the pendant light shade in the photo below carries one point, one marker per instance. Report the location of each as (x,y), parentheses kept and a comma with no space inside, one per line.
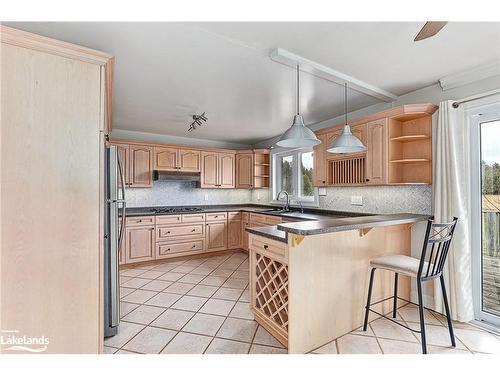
(346,142)
(298,135)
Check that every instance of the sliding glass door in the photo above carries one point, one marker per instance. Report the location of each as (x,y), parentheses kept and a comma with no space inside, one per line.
(486,213)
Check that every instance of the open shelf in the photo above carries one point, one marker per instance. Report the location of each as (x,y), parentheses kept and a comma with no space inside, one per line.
(261,168)
(262,164)
(410,138)
(410,160)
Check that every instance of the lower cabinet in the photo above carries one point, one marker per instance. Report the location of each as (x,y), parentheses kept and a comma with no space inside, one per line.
(166,249)
(216,235)
(234,230)
(139,244)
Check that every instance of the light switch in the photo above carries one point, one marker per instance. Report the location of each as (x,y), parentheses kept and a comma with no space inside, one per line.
(322,191)
(206,197)
(356,200)
(258,196)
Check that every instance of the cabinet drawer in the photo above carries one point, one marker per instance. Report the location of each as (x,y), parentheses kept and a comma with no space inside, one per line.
(216,216)
(165,248)
(234,215)
(193,218)
(256,219)
(269,247)
(168,219)
(194,230)
(136,221)
(273,220)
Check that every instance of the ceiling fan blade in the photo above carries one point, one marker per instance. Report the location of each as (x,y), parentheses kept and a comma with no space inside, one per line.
(430,28)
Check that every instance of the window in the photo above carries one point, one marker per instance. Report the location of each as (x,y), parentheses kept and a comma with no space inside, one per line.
(292,171)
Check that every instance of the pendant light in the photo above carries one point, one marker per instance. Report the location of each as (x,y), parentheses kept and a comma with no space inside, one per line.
(346,142)
(298,135)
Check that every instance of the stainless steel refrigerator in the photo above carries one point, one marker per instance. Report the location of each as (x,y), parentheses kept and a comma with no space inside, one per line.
(114,225)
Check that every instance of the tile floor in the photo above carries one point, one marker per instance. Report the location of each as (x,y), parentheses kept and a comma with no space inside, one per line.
(202,306)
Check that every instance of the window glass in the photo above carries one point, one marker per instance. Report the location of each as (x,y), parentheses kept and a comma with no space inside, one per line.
(287,163)
(306,175)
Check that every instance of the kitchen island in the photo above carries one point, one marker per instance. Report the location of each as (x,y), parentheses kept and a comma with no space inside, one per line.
(308,280)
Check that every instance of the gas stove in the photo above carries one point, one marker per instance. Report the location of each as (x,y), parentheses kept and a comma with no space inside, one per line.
(169,210)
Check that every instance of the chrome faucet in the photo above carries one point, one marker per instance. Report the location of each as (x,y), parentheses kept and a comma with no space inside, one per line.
(287,204)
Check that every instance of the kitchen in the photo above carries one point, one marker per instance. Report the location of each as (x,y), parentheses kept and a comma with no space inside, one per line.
(221,232)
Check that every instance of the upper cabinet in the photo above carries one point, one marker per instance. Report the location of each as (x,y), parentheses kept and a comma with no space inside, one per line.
(399,150)
(189,160)
(140,166)
(176,159)
(244,170)
(217,170)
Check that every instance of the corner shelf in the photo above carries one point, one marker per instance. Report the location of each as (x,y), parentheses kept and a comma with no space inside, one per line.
(410,161)
(261,168)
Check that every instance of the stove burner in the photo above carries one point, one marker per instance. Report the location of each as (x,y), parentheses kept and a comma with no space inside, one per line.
(165,210)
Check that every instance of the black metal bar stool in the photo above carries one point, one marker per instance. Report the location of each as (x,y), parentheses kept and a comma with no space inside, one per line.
(438,239)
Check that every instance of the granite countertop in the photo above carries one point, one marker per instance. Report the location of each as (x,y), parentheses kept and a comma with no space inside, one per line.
(271,232)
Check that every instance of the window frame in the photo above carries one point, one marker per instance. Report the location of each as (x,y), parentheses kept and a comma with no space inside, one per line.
(297,198)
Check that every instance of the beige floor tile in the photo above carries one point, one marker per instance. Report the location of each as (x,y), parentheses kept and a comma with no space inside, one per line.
(191,278)
(390,330)
(410,314)
(437,335)
(163,299)
(194,262)
(144,266)
(238,329)
(126,331)
(228,293)
(173,319)
(261,349)
(399,347)
(139,296)
(201,270)
(330,348)
(204,324)
(124,279)
(131,272)
(229,266)
(202,291)
(151,340)
(179,288)
(136,283)
(165,267)
(213,280)
(242,310)
(143,314)
(456,324)
(126,307)
(189,303)
(156,285)
(171,276)
(479,341)
(245,296)
(265,338)
(221,346)
(121,351)
(221,272)
(241,275)
(109,350)
(125,291)
(442,350)
(152,274)
(356,344)
(183,269)
(217,307)
(235,283)
(368,332)
(187,343)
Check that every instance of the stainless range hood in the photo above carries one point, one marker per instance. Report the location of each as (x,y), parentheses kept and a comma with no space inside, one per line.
(175,176)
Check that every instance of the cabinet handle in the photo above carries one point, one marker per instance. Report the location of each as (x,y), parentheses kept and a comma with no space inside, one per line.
(266,247)
(140,221)
(193,230)
(192,247)
(168,249)
(216,216)
(168,232)
(367,179)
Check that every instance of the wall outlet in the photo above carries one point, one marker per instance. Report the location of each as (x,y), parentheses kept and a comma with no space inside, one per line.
(322,191)
(206,197)
(356,200)
(258,196)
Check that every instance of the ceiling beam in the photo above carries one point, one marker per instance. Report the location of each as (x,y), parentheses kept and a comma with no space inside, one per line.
(288,58)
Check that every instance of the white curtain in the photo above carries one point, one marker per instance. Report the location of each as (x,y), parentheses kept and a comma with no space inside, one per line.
(451,194)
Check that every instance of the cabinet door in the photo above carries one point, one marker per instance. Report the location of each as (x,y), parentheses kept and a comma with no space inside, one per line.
(123,155)
(166,159)
(216,236)
(189,160)
(319,155)
(139,244)
(376,155)
(244,234)
(209,170)
(244,171)
(330,137)
(141,166)
(234,234)
(226,171)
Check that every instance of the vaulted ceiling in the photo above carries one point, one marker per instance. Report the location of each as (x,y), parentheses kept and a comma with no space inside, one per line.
(165,72)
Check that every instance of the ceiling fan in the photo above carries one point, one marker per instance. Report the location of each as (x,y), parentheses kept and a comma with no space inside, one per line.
(430,28)
(198,120)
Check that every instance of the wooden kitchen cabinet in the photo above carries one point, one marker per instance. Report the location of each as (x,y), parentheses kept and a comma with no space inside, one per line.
(140,166)
(217,170)
(244,170)
(189,160)
(176,159)
(139,244)
(376,155)
(234,230)
(123,151)
(216,235)
(319,161)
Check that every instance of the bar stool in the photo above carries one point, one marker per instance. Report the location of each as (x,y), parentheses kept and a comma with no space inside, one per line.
(437,238)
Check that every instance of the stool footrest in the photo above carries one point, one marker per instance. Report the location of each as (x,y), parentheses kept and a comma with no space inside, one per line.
(394,320)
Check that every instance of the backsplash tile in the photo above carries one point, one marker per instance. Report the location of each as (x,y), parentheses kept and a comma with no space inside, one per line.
(183,193)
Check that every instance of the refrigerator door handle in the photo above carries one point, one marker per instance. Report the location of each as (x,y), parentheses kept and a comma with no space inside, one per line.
(122,180)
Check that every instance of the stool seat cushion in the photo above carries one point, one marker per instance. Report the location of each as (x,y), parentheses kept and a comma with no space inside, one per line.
(402,264)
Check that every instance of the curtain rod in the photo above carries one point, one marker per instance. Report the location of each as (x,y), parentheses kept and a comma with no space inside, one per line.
(475,97)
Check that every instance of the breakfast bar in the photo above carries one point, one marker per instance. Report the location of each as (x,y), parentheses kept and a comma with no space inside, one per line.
(308,280)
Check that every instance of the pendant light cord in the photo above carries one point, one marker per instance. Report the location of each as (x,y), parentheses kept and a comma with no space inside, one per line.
(345,101)
(298,91)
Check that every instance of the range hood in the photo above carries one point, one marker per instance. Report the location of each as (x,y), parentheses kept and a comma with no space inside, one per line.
(175,176)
